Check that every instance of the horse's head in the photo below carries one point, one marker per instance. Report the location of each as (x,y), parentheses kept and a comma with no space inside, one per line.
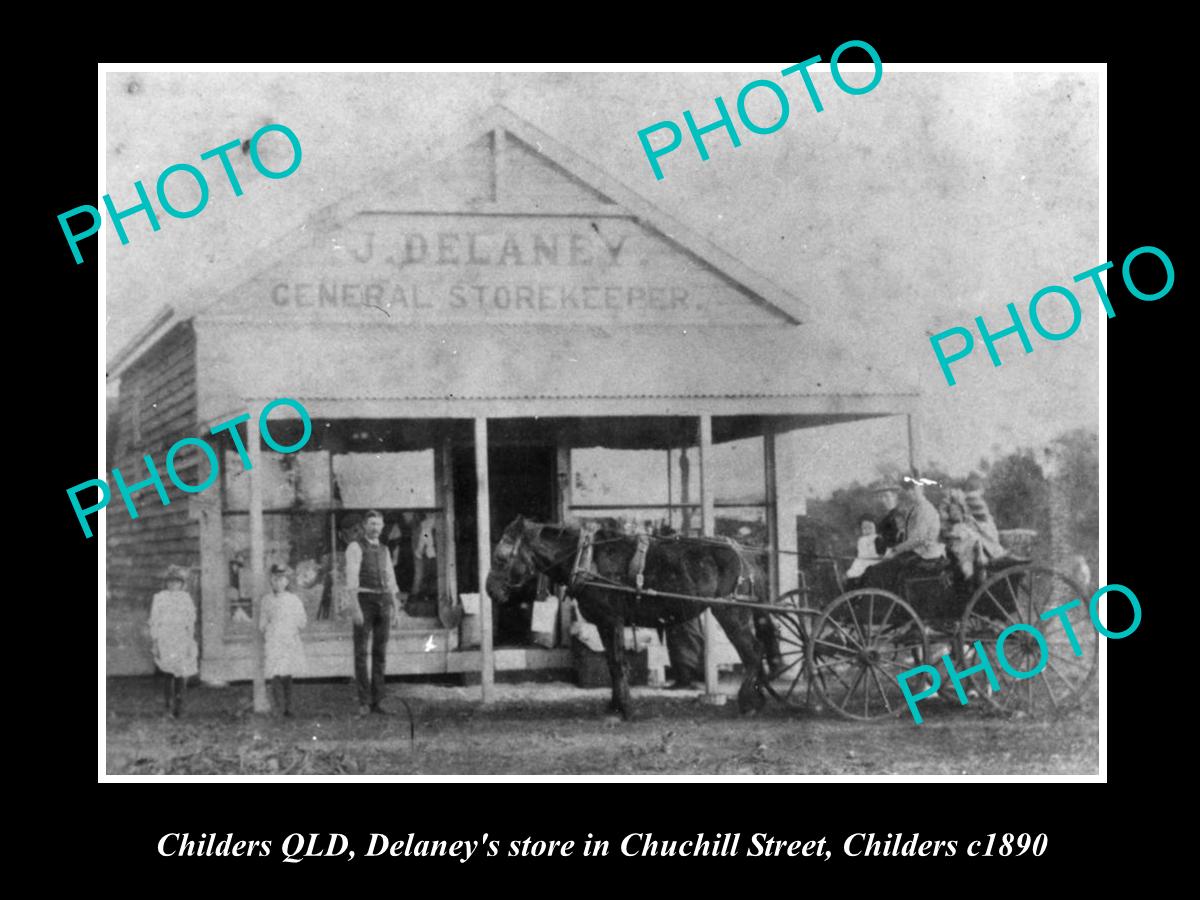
(512,564)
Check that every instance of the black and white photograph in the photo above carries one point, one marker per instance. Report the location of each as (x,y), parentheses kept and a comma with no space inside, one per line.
(627,421)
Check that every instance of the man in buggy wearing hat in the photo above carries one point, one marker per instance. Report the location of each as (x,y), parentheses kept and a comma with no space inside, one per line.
(919,550)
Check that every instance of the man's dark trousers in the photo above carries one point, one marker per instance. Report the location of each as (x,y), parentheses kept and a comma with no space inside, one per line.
(685,649)
(377,619)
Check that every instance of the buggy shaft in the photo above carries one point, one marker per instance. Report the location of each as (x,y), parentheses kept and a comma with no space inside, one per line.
(732,600)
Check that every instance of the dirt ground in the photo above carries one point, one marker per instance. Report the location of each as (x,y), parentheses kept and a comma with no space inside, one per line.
(557,728)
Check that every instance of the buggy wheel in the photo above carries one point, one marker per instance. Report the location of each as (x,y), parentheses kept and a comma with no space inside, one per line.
(862,641)
(1020,595)
(789,684)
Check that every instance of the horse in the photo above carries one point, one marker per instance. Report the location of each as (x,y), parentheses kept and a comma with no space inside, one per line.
(697,567)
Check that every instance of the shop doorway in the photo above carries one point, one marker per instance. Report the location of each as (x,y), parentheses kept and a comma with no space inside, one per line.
(522,483)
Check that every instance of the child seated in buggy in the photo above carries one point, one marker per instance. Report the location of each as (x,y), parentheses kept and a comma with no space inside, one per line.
(867,553)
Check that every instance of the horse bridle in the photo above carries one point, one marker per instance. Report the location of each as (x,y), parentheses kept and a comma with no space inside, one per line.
(511,585)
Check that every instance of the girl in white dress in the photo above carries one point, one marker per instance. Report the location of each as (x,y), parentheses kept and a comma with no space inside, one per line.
(173,636)
(282,619)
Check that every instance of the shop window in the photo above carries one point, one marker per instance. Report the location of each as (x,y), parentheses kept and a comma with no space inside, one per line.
(378,480)
(686,520)
(738,474)
(297,481)
(622,488)
(658,491)
(296,539)
(313,505)
(642,520)
(612,478)
(745,524)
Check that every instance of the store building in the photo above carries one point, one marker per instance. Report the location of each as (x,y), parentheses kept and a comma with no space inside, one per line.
(508,331)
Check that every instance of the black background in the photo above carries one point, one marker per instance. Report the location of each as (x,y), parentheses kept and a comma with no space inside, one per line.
(1150,692)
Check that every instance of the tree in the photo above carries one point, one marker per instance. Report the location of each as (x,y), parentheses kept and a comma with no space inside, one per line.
(1017,492)
(1079,451)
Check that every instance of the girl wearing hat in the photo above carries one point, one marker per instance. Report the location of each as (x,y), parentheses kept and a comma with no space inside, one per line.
(969,532)
(961,540)
(983,523)
(282,619)
(173,636)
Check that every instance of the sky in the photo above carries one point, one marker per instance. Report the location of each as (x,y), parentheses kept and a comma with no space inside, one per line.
(893,215)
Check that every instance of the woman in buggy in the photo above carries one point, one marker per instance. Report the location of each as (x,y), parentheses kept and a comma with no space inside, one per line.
(970,534)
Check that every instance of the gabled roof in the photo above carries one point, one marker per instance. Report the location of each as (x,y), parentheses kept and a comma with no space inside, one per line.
(498,122)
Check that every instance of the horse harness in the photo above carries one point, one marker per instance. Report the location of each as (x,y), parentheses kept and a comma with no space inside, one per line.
(584,570)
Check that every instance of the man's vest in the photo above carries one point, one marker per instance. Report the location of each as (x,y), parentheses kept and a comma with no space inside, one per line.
(370,573)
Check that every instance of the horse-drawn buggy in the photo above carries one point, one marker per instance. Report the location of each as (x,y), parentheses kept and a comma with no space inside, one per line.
(824,644)
(844,648)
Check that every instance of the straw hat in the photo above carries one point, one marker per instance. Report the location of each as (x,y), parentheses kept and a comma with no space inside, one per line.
(956,497)
(177,573)
(975,503)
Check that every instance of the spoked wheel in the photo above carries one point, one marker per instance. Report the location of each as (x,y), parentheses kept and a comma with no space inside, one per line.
(790,684)
(1019,596)
(863,640)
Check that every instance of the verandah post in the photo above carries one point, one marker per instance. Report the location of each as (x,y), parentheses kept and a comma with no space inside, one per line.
(771,487)
(257,560)
(914,441)
(483,518)
(708,526)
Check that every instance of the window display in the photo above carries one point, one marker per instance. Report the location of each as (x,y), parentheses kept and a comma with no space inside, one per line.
(313,504)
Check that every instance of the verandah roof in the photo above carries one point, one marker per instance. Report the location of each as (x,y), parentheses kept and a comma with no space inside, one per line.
(540,369)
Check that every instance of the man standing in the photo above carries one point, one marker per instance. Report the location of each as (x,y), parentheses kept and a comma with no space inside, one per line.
(371,593)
